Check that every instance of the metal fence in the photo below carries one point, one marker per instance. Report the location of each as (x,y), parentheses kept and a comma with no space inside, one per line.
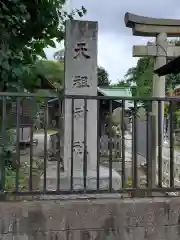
(28,168)
(105,142)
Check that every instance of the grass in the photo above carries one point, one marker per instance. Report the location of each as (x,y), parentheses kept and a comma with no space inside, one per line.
(116,157)
(10,177)
(48,131)
(52,131)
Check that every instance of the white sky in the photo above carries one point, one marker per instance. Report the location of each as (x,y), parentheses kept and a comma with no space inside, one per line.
(115,40)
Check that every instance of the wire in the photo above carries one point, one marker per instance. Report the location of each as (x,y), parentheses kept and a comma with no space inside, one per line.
(158,45)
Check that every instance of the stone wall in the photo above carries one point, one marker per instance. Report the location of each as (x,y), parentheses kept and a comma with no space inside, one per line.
(105,219)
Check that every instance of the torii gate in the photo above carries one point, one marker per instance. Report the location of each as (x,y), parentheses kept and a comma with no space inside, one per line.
(160,50)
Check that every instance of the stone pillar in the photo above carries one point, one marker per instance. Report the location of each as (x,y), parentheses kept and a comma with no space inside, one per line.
(81,79)
(158,91)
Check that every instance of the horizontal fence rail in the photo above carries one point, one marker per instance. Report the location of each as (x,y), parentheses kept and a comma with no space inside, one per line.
(121,146)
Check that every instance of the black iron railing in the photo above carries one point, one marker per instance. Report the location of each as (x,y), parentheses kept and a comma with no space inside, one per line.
(31,165)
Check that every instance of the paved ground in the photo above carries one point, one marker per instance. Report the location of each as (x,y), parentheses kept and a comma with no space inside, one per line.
(165,149)
(52,166)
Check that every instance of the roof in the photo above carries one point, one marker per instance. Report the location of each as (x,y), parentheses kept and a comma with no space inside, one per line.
(113,92)
(117,92)
(171,67)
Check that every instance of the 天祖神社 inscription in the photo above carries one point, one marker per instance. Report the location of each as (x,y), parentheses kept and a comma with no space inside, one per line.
(79,112)
(80,82)
(81,49)
(78,147)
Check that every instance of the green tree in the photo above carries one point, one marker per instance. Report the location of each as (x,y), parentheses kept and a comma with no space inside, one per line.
(103,77)
(27,27)
(131,75)
(53,71)
(172,80)
(122,83)
(142,75)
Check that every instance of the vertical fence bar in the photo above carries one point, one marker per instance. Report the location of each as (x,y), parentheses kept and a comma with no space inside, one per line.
(85,145)
(31,156)
(22,116)
(59,143)
(3,143)
(134,148)
(45,142)
(110,145)
(72,142)
(160,134)
(98,144)
(148,160)
(123,146)
(171,117)
(17,142)
(115,147)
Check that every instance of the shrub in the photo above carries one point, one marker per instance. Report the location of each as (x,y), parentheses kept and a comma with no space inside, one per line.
(8,149)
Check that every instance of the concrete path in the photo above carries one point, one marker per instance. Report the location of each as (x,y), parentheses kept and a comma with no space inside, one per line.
(40,147)
(165,149)
(51,170)
(38,150)
(52,166)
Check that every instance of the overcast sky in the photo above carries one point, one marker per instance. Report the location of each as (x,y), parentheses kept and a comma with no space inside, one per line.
(115,40)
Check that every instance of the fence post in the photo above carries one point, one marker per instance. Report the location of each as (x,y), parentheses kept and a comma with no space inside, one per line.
(152,152)
(133,138)
(120,146)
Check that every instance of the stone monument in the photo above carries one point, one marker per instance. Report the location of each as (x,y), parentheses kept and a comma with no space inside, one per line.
(160,50)
(80,126)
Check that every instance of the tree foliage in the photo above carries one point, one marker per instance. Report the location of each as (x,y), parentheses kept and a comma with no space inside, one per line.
(172,80)
(27,27)
(142,75)
(131,75)
(103,77)
(53,71)
(121,84)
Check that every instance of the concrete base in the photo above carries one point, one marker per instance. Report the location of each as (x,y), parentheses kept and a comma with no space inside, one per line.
(91,180)
(95,219)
